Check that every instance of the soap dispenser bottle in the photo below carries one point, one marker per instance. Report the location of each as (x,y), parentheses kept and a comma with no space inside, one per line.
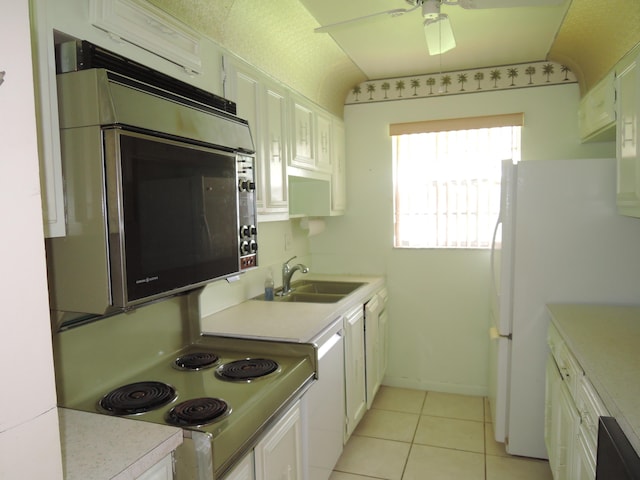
(268,286)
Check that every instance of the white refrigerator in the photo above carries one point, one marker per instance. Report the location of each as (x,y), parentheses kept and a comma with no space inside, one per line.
(561,241)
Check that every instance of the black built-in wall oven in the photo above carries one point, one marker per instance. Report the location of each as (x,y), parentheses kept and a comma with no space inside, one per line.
(159,187)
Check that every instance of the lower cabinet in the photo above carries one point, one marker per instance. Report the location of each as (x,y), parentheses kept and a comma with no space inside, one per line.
(571,416)
(163,470)
(243,470)
(355,382)
(279,454)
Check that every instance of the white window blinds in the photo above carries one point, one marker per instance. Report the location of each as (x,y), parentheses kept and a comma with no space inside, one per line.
(447,182)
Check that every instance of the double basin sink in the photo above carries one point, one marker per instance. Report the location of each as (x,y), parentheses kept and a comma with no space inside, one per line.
(315,291)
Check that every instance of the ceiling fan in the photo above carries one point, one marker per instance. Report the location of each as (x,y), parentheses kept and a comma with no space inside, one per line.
(437,26)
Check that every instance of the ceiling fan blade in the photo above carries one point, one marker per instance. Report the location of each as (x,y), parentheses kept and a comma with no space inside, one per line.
(396,12)
(482,4)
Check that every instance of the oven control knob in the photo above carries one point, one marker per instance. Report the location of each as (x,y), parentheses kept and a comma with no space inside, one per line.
(251,186)
(245,231)
(253,246)
(253,230)
(243,185)
(245,248)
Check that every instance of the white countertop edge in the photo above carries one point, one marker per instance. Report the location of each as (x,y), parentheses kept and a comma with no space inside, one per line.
(97,447)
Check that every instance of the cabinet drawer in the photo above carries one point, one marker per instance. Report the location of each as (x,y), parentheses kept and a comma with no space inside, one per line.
(590,407)
(569,369)
(554,340)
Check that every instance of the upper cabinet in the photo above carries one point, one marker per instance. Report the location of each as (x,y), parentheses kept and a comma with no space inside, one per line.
(146,26)
(121,26)
(628,109)
(597,116)
(300,154)
(263,103)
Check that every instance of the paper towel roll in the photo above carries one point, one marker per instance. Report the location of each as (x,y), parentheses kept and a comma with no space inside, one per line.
(314,225)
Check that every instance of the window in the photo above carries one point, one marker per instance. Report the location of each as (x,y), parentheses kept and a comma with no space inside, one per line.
(447,181)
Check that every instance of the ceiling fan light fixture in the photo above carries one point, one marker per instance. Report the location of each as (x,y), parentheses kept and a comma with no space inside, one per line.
(439,35)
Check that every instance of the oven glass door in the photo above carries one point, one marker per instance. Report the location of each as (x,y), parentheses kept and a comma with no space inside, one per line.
(179,214)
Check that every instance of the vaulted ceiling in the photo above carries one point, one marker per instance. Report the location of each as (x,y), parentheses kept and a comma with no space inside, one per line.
(278,37)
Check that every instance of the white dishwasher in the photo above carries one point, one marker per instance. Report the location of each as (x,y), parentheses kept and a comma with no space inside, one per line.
(324,405)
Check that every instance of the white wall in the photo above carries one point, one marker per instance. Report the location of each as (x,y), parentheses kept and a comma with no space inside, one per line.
(438,298)
(29,441)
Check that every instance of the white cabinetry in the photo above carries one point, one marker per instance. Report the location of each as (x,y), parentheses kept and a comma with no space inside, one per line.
(571,415)
(302,134)
(149,27)
(338,167)
(163,470)
(324,142)
(279,454)
(375,333)
(628,109)
(243,470)
(596,114)
(263,103)
(355,383)
(275,147)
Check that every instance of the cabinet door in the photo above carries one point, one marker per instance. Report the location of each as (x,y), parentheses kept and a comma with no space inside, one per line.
(279,454)
(324,142)
(302,136)
(338,173)
(242,85)
(354,358)
(372,347)
(243,470)
(276,197)
(163,470)
(628,108)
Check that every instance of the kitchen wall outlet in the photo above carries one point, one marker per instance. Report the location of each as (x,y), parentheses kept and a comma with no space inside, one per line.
(287,241)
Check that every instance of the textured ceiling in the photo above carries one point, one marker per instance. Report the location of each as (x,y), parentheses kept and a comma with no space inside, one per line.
(277,36)
(594,36)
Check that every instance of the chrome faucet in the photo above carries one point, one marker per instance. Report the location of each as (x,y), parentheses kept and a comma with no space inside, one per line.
(287,273)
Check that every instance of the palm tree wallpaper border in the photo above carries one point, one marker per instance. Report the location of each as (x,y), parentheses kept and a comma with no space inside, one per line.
(533,74)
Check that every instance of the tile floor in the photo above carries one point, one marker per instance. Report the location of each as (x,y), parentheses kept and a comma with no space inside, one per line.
(416,435)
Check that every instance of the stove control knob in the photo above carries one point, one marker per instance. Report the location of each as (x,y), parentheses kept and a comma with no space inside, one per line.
(253,230)
(253,246)
(245,248)
(245,231)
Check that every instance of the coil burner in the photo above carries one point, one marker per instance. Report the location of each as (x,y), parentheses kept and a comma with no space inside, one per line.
(197,412)
(139,397)
(247,369)
(196,361)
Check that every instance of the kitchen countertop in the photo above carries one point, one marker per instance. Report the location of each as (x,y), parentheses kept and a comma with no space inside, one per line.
(101,447)
(284,321)
(606,342)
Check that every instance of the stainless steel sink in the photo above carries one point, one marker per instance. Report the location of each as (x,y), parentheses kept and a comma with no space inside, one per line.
(325,287)
(315,291)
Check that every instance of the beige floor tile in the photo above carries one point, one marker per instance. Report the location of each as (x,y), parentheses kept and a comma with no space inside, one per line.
(347,476)
(515,468)
(451,433)
(491,446)
(373,457)
(399,399)
(487,410)
(432,463)
(454,406)
(388,425)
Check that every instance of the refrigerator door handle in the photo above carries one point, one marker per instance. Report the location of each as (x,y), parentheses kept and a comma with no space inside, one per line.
(493,249)
(495,335)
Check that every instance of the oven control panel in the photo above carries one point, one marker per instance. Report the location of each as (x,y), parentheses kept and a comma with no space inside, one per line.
(247,215)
